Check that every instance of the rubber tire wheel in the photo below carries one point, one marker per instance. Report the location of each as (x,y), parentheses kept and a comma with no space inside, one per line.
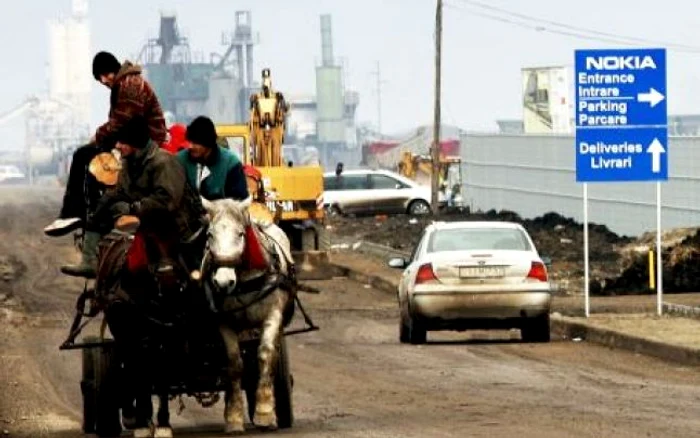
(250,378)
(284,407)
(404,331)
(416,334)
(100,385)
(537,330)
(283,383)
(333,211)
(415,205)
(87,388)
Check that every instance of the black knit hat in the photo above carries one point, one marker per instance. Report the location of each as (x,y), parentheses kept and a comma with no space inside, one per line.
(202,131)
(134,133)
(104,63)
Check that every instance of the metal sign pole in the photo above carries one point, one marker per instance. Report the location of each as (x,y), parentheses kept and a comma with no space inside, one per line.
(586,266)
(659,265)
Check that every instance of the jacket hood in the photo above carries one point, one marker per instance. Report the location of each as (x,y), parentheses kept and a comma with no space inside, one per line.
(128,68)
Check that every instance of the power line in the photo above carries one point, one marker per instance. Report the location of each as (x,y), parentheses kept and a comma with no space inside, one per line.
(571,30)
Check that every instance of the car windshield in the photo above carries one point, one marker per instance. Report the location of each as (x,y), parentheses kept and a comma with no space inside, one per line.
(478,239)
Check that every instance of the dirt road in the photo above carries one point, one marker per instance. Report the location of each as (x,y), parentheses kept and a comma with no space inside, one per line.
(352,378)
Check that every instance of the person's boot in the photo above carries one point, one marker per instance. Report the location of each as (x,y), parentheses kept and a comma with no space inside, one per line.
(87,267)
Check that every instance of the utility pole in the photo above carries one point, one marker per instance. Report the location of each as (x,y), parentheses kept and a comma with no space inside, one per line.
(435,151)
(379,84)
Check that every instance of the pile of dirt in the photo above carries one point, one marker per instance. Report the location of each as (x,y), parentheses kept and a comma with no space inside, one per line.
(555,236)
(681,269)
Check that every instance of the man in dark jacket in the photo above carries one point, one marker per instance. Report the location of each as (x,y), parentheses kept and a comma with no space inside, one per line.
(215,172)
(152,186)
(131,95)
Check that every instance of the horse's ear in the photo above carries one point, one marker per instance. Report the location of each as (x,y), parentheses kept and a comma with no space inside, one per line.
(246,203)
(208,205)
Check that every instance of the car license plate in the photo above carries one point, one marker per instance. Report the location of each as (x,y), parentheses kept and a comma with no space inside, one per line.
(481,272)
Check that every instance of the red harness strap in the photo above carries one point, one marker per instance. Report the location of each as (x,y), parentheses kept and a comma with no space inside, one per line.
(137,255)
(253,252)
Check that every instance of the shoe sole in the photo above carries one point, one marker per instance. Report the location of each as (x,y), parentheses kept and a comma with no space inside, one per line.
(90,276)
(57,232)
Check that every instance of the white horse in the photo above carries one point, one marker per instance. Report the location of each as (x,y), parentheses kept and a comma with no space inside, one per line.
(250,298)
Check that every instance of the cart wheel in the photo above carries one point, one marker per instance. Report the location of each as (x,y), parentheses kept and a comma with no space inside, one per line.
(87,387)
(250,379)
(100,391)
(283,388)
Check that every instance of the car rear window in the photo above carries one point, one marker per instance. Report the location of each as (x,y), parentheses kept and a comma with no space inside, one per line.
(478,239)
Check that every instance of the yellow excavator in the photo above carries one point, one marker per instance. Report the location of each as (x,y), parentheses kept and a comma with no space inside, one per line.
(293,195)
(419,168)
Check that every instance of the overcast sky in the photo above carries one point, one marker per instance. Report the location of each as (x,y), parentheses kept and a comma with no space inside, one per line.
(482,57)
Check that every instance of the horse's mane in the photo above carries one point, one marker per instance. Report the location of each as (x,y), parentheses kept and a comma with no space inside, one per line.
(237,209)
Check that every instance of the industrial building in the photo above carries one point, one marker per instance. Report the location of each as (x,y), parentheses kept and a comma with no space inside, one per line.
(188,86)
(321,127)
(58,120)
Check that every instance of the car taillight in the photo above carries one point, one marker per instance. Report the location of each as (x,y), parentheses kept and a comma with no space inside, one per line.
(425,274)
(538,271)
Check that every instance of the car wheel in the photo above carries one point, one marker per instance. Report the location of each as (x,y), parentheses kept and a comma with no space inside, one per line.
(419,207)
(404,331)
(536,330)
(333,211)
(416,334)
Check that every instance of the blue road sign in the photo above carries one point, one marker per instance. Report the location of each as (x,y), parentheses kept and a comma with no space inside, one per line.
(621,115)
(635,154)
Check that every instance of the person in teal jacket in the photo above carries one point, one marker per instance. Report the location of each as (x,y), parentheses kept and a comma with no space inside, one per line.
(215,172)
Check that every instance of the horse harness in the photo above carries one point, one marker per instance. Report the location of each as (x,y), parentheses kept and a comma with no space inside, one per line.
(254,288)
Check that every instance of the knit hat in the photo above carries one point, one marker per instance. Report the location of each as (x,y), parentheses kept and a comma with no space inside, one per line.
(104,63)
(134,133)
(202,132)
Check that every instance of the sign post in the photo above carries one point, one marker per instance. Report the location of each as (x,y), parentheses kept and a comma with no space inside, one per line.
(621,128)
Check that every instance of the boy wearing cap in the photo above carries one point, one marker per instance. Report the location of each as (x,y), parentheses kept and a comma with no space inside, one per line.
(131,95)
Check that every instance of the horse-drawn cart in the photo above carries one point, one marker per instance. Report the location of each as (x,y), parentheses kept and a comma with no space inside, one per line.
(201,374)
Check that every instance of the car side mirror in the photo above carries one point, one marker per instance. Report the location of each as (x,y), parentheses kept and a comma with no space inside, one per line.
(547,261)
(398,263)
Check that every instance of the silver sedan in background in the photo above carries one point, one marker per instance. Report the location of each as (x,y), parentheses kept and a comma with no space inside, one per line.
(474,275)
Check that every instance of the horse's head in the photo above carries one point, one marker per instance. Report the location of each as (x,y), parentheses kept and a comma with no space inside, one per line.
(226,239)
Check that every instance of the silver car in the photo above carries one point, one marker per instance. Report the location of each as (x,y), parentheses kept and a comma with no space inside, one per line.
(374,192)
(474,275)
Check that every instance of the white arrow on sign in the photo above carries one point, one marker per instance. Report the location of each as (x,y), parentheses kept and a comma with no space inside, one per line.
(653,97)
(656,149)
